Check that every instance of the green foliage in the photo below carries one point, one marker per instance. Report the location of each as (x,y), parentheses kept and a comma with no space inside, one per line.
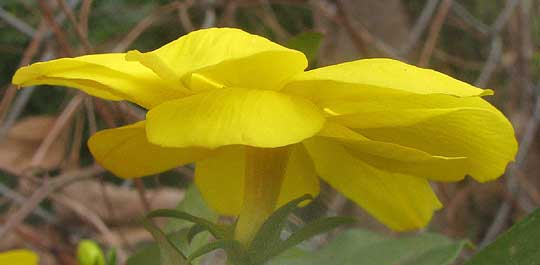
(216,230)
(308,43)
(312,229)
(267,243)
(169,253)
(269,234)
(519,245)
(111,257)
(233,248)
(177,231)
(194,204)
(150,254)
(358,246)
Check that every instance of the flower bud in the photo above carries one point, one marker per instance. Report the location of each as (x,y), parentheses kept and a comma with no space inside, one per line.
(89,253)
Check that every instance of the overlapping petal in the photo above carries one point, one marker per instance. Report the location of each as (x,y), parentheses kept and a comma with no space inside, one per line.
(394,157)
(228,56)
(374,77)
(220,178)
(400,201)
(484,137)
(108,76)
(442,125)
(261,118)
(126,152)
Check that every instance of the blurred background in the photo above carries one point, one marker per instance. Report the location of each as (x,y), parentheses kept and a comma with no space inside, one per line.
(52,196)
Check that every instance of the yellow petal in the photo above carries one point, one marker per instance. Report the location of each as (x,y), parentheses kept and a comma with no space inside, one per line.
(18,257)
(300,176)
(485,137)
(220,178)
(107,76)
(394,157)
(125,152)
(231,57)
(390,118)
(400,201)
(372,77)
(389,102)
(261,118)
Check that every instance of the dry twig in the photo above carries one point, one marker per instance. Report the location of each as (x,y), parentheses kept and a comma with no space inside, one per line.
(434,32)
(43,192)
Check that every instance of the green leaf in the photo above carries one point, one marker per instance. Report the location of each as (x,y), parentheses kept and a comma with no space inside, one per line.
(358,246)
(310,230)
(269,233)
(217,231)
(149,254)
(195,230)
(306,42)
(231,246)
(178,231)
(194,204)
(169,253)
(111,257)
(519,245)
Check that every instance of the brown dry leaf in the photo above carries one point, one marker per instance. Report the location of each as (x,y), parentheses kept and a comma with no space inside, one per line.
(24,138)
(125,201)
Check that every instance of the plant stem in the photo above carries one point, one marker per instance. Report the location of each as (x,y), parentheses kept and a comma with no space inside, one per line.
(265,169)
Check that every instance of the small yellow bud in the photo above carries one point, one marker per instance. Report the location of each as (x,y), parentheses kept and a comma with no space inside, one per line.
(89,253)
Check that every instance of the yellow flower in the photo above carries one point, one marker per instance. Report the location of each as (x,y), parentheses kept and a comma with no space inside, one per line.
(241,106)
(18,257)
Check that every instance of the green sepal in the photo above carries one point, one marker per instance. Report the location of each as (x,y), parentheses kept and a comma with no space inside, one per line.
(268,235)
(170,255)
(310,230)
(194,231)
(111,257)
(218,231)
(233,248)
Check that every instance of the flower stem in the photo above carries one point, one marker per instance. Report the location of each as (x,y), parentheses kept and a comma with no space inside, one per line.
(265,169)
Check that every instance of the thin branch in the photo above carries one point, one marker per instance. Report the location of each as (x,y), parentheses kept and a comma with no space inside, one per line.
(183,16)
(43,192)
(142,194)
(466,16)
(58,32)
(271,20)
(27,56)
(16,23)
(19,199)
(209,15)
(92,218)
(84,14)
(419,27)
(434,32)
(20,102)
(504,16)
(360,35)
(78,31)
(60,123)
(144,24)
(492,61)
